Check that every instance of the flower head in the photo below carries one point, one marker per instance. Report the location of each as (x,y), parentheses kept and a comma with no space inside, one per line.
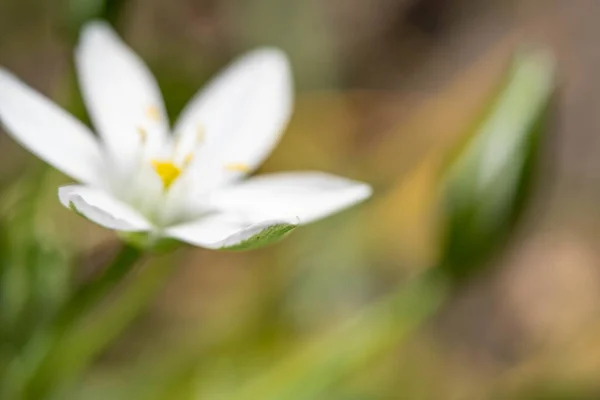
(188,184)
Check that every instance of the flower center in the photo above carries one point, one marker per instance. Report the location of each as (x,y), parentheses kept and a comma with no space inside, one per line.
(167,171)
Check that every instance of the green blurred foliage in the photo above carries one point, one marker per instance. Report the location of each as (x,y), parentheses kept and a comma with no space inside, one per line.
(81,11)
(34,276)
(488,181)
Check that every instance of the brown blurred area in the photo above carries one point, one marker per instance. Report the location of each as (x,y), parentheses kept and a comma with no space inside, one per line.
(384,88)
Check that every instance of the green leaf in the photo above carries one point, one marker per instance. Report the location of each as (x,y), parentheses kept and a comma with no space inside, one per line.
(271,234)
(34,272)
(487,183)
(93,324)
(310,371)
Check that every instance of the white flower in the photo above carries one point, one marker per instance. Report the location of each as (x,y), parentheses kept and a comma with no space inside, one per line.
(138,177)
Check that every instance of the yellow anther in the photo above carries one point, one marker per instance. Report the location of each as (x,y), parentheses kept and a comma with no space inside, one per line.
(153,113)
(237,167)
(200,134)
(188,159)
(143,134)
(167,171)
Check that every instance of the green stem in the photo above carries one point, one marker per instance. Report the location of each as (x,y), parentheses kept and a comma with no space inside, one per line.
(88,295)
(309,371)
(40,357)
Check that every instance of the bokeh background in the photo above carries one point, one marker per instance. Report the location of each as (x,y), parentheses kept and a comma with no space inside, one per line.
(385,89)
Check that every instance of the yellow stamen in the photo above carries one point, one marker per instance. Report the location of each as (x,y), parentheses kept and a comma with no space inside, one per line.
(200,134)
(237,167)
(167,171)
(188,159)
(142,134)
(153,113)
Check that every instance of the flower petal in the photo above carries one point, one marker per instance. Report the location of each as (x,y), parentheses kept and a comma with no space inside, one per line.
(103,209)
(302,197)
(240,116)
(230,232)
(121,94)
(48,131)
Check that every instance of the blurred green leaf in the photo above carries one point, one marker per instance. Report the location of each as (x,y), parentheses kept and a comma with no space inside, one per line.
(34,273)
(83,11)
(35,268)
(488,181)
(81,331)
(315,366)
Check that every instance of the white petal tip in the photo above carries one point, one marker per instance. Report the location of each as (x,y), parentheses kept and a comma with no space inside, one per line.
(363,191)
(271,60)
(96,33)
(267,54)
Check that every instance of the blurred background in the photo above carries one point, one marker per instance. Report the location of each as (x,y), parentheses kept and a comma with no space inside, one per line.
(385,90)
